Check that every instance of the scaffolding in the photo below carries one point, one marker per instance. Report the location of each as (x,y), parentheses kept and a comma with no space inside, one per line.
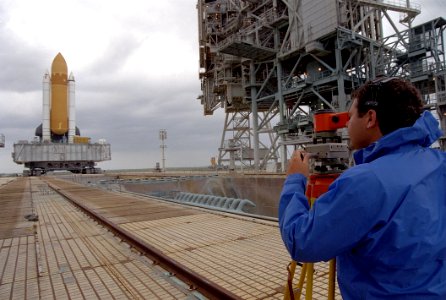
(272,63)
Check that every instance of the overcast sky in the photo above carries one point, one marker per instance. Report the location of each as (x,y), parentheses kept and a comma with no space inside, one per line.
(136,68)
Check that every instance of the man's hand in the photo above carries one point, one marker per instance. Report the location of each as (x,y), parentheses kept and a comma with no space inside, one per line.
(299,163)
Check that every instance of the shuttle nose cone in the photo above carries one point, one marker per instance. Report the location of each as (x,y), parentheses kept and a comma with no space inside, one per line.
(59,65)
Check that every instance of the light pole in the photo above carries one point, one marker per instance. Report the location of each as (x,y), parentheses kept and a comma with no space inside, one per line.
(163,137)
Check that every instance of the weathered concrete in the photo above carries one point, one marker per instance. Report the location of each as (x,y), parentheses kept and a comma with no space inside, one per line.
(264,191)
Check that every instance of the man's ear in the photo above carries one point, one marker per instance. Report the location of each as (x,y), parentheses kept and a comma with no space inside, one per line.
(372,121)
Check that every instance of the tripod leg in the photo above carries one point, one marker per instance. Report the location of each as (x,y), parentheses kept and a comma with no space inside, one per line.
(331,279)
(309,286)
(288,293)
(300,284)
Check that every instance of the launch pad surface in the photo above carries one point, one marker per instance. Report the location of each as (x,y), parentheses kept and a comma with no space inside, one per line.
(65,254)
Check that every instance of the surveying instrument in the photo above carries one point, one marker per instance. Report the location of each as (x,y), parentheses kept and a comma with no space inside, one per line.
(329,158)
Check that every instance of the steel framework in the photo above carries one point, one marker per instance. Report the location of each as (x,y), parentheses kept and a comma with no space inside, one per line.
(277,61)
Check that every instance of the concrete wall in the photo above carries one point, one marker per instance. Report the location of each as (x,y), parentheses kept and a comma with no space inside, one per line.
(263,191)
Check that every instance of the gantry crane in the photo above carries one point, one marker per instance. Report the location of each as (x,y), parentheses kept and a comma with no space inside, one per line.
(271,63)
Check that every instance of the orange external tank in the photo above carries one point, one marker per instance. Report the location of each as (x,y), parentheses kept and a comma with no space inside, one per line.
(59,96)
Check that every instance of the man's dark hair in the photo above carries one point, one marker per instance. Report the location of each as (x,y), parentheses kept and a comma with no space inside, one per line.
(396,101)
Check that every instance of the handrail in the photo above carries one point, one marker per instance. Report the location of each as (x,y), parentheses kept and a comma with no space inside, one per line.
(394,3)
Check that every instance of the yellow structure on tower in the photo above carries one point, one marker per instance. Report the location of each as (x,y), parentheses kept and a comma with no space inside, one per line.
(59,96)
(59,115)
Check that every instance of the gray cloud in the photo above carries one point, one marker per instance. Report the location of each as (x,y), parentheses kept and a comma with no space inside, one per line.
(18,63)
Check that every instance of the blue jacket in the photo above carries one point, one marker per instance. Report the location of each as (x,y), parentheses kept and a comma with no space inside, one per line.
(383,219)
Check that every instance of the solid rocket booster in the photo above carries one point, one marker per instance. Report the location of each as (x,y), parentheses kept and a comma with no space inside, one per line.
(72,109)
(46,134)
(59,113)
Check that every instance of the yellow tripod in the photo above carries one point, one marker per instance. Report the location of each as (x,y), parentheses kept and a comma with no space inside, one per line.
(306,276)
(317,184)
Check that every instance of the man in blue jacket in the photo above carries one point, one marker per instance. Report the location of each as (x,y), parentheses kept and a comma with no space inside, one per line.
(385,218)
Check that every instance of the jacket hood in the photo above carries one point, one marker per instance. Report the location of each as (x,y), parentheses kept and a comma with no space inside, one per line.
(424,132)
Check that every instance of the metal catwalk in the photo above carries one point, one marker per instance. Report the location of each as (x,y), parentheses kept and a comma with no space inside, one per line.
(270,64)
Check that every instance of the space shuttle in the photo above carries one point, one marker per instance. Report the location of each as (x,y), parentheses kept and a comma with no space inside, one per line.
(57,144)
(59,105)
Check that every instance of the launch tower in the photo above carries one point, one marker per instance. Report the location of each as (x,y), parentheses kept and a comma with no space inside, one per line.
(271,63)
(58,144)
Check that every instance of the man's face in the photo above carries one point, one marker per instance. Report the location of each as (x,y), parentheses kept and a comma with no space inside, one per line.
(357,128)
